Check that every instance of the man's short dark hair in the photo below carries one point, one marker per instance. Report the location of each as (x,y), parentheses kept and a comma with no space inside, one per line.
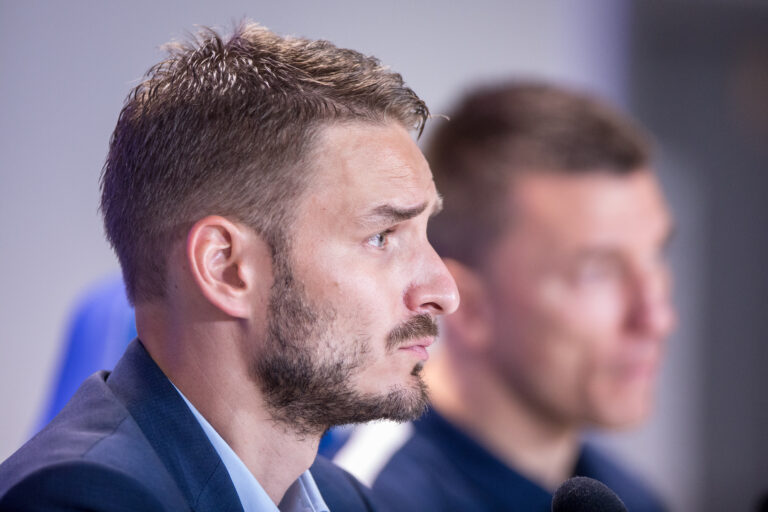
(504,130)
(224,127)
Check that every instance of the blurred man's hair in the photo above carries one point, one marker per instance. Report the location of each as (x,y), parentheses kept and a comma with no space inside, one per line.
(505,130)
(225,127)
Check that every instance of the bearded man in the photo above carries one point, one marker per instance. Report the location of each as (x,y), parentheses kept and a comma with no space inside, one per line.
(269,207)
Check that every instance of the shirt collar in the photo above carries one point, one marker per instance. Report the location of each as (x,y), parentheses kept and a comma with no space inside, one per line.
(302,496)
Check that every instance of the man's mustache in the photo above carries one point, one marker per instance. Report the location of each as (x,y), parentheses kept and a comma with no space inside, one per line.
(419,326)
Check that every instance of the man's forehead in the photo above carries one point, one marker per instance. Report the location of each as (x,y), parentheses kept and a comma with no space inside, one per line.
(594,192)
(372,166)
(596,206)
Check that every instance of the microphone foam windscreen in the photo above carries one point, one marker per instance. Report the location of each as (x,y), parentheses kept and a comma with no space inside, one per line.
(582,494)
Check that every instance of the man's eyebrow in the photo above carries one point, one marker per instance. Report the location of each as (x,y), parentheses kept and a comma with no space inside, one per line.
(390,214)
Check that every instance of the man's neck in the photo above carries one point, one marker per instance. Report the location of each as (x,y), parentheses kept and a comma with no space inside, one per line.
(471,396)
(213,376)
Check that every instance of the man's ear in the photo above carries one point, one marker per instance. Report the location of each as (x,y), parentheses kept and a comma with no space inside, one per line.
(226,261)
(471,324)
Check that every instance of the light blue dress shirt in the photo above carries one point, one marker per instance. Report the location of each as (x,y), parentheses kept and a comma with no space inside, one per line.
(302,496)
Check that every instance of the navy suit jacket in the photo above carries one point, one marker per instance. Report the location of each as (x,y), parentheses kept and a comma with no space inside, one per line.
(442,468)
(128,442)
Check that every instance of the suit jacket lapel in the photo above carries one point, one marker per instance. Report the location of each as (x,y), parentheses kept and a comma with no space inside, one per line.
(173,431)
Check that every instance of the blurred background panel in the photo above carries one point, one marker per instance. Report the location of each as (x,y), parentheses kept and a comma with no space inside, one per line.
(699,81)
(696,73)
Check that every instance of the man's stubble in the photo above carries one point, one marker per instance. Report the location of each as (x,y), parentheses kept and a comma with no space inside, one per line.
(305,369)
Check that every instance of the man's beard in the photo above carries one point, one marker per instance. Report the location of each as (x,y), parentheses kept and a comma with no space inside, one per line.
(305,370)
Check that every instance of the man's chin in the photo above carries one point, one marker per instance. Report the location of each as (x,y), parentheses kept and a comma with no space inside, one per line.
(401,404)
(416,372)
(625,416)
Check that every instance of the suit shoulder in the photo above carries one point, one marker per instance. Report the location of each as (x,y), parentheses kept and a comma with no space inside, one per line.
(421,476)
(636,493)
(340,490)
(79,485)
(413,464)
(67,463)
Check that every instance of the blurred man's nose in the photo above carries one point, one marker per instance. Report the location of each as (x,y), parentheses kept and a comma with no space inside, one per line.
(651,311)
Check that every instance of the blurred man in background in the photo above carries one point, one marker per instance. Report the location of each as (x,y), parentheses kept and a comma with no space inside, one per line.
(555,230)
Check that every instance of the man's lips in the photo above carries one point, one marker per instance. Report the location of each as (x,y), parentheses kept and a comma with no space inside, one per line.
(639,370)
(418,347)
(642,362)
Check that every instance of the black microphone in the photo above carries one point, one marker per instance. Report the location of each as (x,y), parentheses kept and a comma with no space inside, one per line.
(582,494)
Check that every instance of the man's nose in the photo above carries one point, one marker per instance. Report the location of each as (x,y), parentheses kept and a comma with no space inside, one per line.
(433,290)
(652,312)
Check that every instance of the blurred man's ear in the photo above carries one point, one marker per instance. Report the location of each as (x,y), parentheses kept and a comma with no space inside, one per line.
(470,326)
(229,263)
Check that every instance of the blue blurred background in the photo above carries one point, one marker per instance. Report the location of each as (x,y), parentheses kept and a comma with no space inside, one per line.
(695,72)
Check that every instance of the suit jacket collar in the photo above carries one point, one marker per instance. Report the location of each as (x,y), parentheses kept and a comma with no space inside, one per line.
(173,431)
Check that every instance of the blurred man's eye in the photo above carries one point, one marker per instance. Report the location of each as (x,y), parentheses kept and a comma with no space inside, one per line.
(597,271)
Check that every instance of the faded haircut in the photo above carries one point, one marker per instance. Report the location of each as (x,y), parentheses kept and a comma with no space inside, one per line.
(224,126)
(501,131)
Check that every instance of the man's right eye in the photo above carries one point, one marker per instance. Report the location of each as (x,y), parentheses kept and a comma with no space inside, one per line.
(379,240)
